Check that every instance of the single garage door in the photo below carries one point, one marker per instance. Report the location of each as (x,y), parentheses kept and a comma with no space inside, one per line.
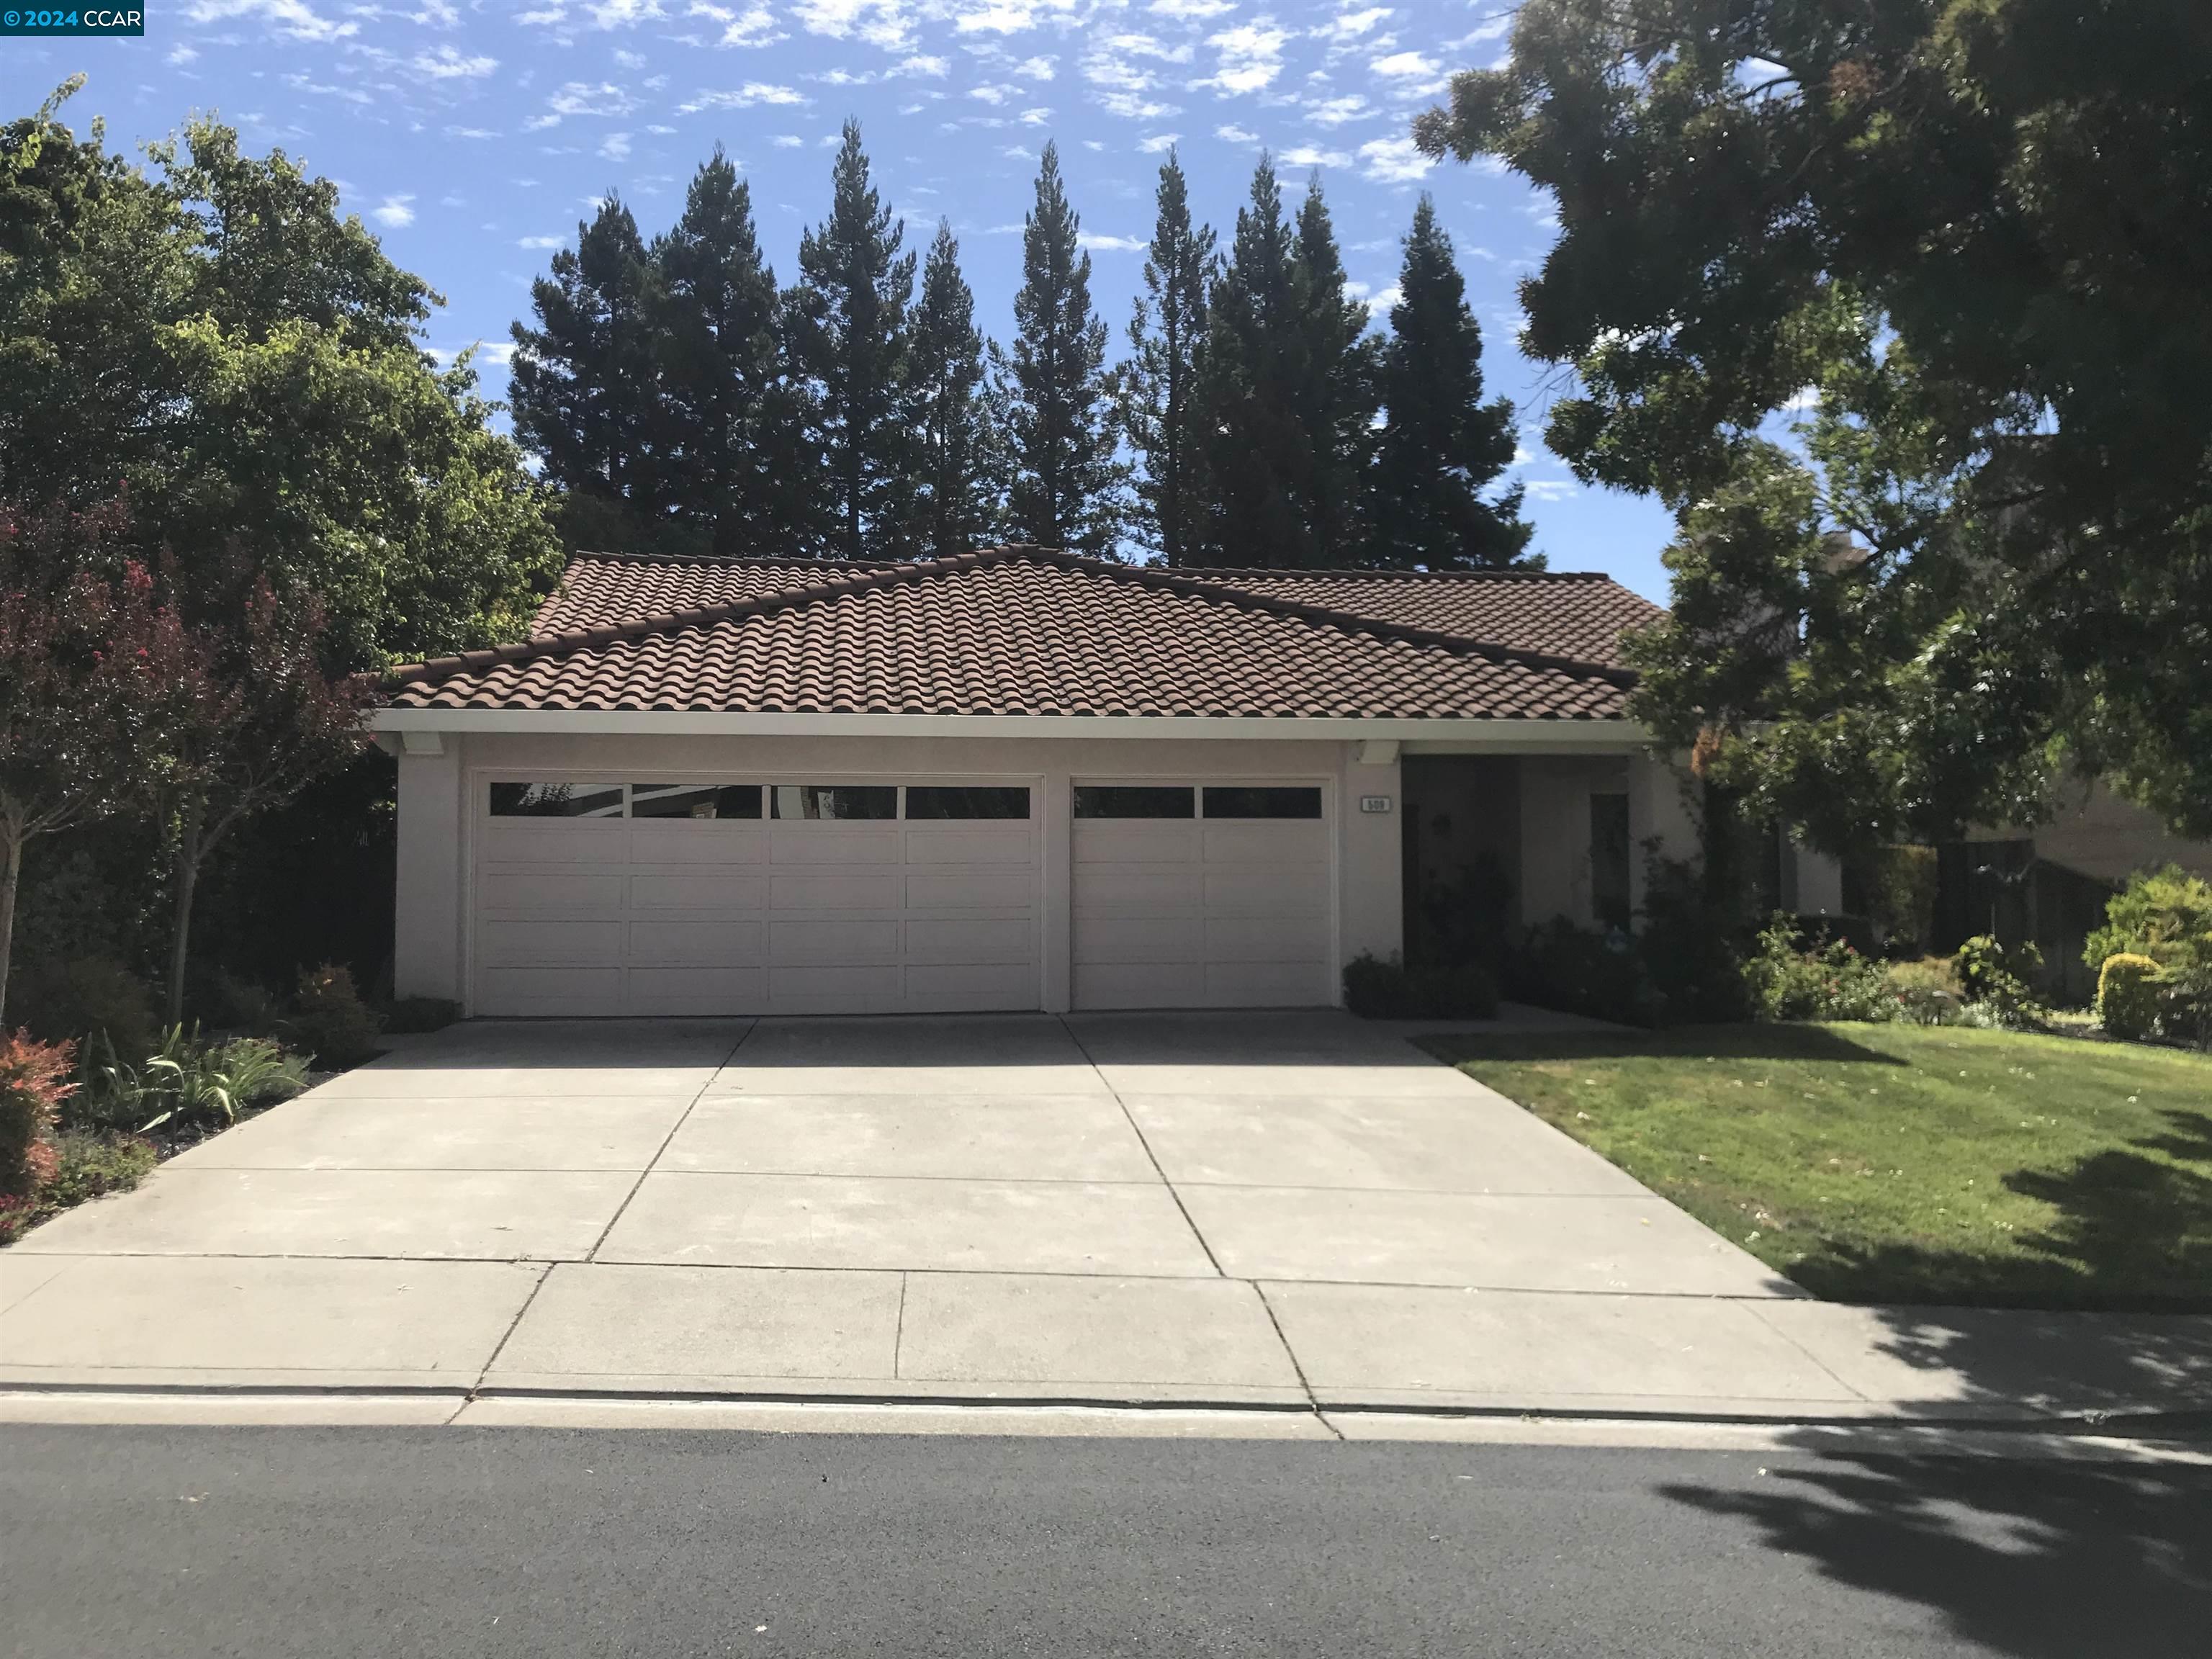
(709,898)
(1199,896)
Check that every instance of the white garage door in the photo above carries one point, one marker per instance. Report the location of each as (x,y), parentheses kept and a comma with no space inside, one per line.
(1201,896)
(743,898)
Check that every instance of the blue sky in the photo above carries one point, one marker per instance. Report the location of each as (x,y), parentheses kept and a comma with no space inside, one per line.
(472,138)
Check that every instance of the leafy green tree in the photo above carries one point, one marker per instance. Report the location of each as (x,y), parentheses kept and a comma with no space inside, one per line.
(1336,404)
(724,424)
(1972,234)
(1443,446)
(586,385)
(849,336)
(210,333)
(1068,489)
(1162,408)
(956,505)
(1252,376)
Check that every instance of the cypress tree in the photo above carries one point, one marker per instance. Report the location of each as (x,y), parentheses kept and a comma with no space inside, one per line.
(847,317)
(715,336)
(1442,445)
(955,497)
(584,388)
(1163,412)
(1337,393)
(1255,447)
(1066,489)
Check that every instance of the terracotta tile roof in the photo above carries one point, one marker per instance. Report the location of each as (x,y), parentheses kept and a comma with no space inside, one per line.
(1007,631)
(1567,614)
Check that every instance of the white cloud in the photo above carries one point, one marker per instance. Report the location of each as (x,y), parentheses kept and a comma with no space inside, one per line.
(788,141)
(1250,58)
(1351,25)
(993,96)
(470,132)
(753,27)
(1035,118)
(999,16)
(630,60)
(1235,134)
(292,19)
(1158,141)
(1379,304)
(879,22)
(541,241)
(1035,68)
(1549,490)
(934,68)
(753,93)
(1131,106)
(1112,243)
(1413,72)
(615,147)
(446,64)
(1335,112)
(623,13)
(581,97)
(1192,11)
(182,54)
(394,212)
(1306,155)
(1393,161)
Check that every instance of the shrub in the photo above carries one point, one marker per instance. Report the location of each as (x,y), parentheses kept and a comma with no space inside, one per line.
(189,1083)
(1901,885)
(1995,978)
(330,1021)
(91,1165)
(410,1015)
(1927,990)
(2185,1012)
(2163,914)
(1828,980)
(2127,995)
(1391,990)
(33,1083)
(1559,965)
(85,998)
(1690,949)
(235,1004)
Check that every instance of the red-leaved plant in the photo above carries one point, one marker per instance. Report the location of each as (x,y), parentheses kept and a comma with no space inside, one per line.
(33,1083)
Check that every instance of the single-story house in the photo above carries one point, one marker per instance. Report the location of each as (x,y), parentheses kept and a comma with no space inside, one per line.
(1013,780)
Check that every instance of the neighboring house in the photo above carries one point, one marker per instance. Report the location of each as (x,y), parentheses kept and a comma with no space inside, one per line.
(1014,779)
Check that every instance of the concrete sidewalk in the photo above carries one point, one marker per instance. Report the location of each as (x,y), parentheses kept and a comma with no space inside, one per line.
(1288,1212)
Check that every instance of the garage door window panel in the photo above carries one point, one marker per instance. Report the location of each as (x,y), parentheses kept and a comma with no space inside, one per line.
(1241,801)
(694,801)
(842,801)
(1117,800)
(556,800)
(964,801)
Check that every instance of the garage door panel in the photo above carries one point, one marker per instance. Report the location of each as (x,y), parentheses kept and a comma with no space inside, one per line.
(726,889)
(697,944)
(696,990)
(712,840)
(1266,984)
(975,988)
(972,889)
(1137,841)
(590,991)
(1271,890)
(1140,890)
(825,942)
(514,891)
(546,943)
(1160,939)
(1294,840)
(804,990)
(1266,938)
(871,891)
(1150,984)
(819,842)
(971,842)
(969,939)
(510,841)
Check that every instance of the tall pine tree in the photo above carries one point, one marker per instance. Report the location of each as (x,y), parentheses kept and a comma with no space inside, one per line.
(1066,489)
(956,495)
(1162,410)
(584,390)
(847,317)
(1443,446)
(1337,392)
(725,415)
(1256,448)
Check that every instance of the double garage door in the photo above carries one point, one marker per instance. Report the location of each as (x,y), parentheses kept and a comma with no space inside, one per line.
(593,897)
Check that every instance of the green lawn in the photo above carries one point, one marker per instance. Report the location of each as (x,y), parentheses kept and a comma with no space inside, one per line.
(1901,1163)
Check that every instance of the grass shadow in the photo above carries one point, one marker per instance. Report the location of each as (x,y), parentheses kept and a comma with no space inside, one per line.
(1746,1041)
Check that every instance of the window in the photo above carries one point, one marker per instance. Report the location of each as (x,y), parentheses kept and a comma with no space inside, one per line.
(556,800)
(840,800)
(1247,802)
(938,801)
(1609,854)
(694,800)
(1121,801)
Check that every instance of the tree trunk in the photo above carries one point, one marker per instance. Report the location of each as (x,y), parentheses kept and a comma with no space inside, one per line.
(189,853)
(10,879)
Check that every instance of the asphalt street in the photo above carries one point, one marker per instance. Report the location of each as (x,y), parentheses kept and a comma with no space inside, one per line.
(117,1541)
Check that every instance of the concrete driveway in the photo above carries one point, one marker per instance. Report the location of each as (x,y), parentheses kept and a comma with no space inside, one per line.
(1289,1210)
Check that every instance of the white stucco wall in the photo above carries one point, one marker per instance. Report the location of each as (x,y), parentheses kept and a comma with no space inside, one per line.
(1555,832)
(440,798)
